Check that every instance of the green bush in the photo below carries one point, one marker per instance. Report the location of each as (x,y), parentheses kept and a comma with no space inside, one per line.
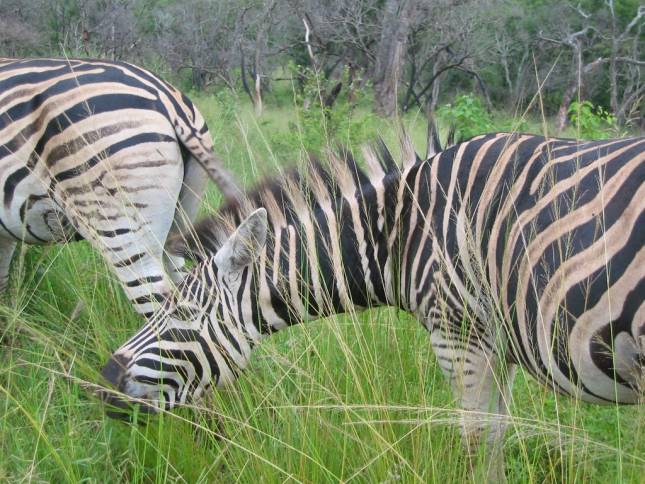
(317,126)
(468,115)
(592,122)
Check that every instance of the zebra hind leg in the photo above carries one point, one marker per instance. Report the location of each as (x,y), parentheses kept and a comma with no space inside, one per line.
(137,258)
(481,383)
(190,197)
(7,248)
(135,210)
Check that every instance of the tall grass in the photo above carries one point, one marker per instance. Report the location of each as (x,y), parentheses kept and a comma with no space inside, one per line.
(353,398)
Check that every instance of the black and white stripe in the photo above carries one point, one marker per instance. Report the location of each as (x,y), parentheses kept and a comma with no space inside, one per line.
(513,250)
(104,151)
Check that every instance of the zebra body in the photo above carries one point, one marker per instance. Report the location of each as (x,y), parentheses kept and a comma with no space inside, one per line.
(104,151)
(542,239)
(510,249)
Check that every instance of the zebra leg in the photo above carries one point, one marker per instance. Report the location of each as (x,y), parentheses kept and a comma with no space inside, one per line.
(7,248)
(190,197)
(138,264)
(481,383)
(133,246)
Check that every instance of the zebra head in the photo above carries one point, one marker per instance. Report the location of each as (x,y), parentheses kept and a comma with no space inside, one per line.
(196,338)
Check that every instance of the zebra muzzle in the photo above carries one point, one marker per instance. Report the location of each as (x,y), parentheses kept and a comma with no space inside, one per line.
(118,405)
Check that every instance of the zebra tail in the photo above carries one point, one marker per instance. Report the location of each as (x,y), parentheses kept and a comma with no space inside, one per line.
(223,178)
(197,140)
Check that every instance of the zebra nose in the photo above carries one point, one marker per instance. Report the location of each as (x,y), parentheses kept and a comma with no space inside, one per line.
(114,372)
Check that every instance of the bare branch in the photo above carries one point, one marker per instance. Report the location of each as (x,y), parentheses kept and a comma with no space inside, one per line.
(308,29)
(640,13)
(582,13)
(629,60)
(572,40)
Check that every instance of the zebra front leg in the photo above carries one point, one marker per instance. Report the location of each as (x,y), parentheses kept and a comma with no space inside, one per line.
(481,383)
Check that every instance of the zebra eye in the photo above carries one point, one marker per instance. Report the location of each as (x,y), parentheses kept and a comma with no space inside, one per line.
(185,312)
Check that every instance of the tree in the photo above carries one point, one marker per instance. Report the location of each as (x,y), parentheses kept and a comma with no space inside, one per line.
(416,53)
(391,54)
(602,41)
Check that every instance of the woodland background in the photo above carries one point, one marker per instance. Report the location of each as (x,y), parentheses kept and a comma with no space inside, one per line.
(407,54)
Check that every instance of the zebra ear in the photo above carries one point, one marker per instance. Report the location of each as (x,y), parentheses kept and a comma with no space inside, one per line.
(244,245)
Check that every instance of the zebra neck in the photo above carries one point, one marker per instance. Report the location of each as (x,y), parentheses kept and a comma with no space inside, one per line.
(335,259)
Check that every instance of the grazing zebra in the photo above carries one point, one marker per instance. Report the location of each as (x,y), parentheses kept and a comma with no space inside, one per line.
(511,249)
(104,151)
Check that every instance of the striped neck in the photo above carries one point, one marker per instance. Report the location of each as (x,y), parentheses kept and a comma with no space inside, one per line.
(344,255)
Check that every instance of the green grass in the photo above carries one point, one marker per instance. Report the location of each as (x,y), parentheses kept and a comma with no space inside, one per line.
(355,398)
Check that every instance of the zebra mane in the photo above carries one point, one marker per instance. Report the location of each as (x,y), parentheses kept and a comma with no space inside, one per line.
(295,192)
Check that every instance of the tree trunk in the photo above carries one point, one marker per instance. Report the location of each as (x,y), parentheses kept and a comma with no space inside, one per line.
(567,97)
(627,105)
(613,84)
(434,97)
(351,88)
(258,95)
(245,82)
(390,55)
(198,77)
(113,41)
(407,100)
(518,93)
(613,75)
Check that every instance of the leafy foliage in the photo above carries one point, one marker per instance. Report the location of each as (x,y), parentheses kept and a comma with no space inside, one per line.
(468,115)
(319,123)
(592,122)
(227,105)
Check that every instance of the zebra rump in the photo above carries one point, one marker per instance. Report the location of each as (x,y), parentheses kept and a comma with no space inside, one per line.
(104,151)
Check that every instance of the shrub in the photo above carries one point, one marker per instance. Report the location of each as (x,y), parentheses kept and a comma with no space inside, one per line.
(468,115)
(319,126)
(592,122)
(228,105)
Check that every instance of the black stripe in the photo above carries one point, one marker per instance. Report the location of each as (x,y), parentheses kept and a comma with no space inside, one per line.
(31,78)
(144,280)
(129,261)
(12,182)
(4,226)
(110,151)
(71,87)
(154,297)
(112,233)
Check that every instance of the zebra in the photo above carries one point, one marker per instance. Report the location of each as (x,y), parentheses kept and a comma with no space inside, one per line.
(513,250)
(103,151)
